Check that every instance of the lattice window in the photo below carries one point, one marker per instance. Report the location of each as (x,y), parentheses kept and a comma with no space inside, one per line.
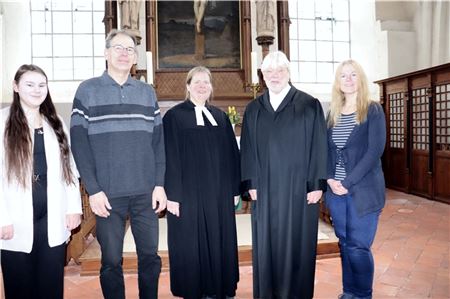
(68,38)
(319,39)
(396,120)
(443,117)
(420,119)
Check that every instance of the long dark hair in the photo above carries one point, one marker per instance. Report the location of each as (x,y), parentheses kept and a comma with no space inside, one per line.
(17,139)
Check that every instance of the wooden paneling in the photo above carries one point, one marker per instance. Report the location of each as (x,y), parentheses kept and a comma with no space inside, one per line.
(442,137)
(417,155)
(396,158)
(420,138)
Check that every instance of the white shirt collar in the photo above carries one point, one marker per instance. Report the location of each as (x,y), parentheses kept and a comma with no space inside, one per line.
(276,99)
(199,116)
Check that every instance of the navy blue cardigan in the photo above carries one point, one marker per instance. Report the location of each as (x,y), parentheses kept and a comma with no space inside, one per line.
(361,156)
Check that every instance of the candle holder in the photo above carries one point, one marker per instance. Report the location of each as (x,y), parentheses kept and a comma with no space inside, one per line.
(255,87)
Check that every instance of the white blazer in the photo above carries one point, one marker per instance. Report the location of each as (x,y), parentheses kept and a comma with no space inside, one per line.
(16,203)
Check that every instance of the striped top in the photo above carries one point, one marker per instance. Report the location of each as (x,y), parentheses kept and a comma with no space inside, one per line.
(117,137)
(340,134)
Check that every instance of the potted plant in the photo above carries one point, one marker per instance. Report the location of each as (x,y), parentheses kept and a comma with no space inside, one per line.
(234,116)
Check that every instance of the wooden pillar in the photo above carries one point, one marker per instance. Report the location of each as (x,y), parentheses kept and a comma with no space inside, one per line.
(110,19)
(150,26)
(150,34)
(283,26)
(246,40)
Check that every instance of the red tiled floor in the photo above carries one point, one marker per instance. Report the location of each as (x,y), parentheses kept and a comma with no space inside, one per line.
(411,252)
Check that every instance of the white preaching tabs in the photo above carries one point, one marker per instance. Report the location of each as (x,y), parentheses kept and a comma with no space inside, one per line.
(199,117)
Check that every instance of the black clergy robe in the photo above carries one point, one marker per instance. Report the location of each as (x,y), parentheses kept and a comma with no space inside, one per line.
(203,175)
(283,156)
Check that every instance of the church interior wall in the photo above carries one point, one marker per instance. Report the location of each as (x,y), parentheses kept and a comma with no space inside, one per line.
(2,33)
(388,38)
(16,42)
(413,35)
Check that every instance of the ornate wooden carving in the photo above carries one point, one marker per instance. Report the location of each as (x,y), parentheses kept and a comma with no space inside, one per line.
(169,84)
(265,42)
(228,83)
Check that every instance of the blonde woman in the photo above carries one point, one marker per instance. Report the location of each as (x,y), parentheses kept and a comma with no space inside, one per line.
(356,190)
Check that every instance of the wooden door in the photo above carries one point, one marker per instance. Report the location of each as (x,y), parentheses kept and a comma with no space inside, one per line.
(421,175)
(442,152)
(395,159)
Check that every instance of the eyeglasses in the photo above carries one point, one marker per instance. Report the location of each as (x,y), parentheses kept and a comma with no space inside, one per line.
(276,71)
(119,49)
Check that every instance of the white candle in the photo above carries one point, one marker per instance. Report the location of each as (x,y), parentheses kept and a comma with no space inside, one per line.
(149,67)
(255,79)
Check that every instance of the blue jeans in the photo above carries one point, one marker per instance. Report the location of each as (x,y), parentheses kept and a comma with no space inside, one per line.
(110,235)
(356,234)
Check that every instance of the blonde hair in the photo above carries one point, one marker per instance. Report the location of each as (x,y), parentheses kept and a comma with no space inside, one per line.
(338,99)
(192,73)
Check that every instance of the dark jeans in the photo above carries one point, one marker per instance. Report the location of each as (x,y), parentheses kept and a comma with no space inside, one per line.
(38,274)
(356,235)
(110,235)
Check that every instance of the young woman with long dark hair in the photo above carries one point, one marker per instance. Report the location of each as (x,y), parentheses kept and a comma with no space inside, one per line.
(40,200)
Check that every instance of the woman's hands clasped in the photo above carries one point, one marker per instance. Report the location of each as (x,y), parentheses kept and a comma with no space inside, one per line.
(336,187)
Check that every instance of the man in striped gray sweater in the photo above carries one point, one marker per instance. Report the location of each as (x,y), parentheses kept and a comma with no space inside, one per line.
(118,145)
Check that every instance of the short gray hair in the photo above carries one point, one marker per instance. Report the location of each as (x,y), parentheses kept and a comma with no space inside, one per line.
(113,33)
(274,60)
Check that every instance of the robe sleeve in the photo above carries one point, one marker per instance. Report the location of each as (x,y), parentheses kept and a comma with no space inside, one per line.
(375,148)
(173,178)
(249,174)
(235,158)
(317,172)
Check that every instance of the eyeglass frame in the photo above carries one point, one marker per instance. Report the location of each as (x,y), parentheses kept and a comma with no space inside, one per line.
(119,49)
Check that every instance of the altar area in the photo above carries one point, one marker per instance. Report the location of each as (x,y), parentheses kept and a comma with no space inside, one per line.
(90,259)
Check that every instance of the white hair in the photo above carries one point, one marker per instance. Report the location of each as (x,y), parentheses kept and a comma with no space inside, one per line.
(275,60)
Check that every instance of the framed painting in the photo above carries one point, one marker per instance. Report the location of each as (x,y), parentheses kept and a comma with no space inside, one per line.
(202,32)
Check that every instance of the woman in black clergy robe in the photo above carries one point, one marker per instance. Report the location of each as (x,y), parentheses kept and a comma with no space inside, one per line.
(283,155)
(202,177)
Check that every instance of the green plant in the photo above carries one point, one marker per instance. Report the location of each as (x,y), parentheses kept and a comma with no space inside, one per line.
(233,115)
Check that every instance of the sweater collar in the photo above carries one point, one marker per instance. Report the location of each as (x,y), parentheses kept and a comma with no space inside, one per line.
(108,80)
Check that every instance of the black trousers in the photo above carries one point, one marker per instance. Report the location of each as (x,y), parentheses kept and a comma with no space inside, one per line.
(110,234)
(38,274)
